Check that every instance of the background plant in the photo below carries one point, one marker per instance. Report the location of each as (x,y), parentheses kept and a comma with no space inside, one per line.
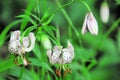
(96,57)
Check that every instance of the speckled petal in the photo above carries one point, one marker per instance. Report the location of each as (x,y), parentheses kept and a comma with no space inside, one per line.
(15,35)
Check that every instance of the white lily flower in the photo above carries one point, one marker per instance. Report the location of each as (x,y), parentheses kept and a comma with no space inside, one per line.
(61,56)
(104,12)
(90,24)
(15,45)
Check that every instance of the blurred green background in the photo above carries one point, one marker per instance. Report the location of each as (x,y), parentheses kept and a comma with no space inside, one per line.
(102,50)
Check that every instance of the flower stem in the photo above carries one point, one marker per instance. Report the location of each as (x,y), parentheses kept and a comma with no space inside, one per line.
(69,21)
(86,5)
(60,8)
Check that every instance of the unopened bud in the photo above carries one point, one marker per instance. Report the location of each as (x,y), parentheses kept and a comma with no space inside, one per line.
(90,24)
(104,12)
(46,42)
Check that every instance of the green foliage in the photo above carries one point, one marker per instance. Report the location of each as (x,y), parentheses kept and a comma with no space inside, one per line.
(61,22)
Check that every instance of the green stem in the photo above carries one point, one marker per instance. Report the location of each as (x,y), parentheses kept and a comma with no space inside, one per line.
(86,5)
(21,73)
(93,62)
(58,33)
(114,25)
(69,21)
(60,8)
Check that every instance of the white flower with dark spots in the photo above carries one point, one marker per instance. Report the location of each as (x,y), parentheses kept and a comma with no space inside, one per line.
(61,56)
(90,24)
(19,46)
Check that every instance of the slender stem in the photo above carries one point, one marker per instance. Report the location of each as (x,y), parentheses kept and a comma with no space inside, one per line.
(86,5)
(58,33)
(21,73)
(69,21)
(60,8)
(114,25)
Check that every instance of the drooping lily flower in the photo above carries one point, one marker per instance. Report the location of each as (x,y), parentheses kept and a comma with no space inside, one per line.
(19,46)
(61,56)
(104,12)
(90,24)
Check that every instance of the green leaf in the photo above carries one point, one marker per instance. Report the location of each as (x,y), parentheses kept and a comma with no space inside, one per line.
(45,15)
(36,62)
(118,41)
(48,21)
(28,30)
(36,51)
(33,15)
(26,17)
(110,53)
(29,9)
(16,71)
(4,65)
(84,54)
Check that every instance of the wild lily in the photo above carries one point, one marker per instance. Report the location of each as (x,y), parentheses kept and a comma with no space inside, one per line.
(61,56)
(90,24)
(19,46)
(104,12)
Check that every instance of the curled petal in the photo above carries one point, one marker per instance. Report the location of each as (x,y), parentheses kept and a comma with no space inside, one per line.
(71,49)
(26,42)
(32,41)
(15,35)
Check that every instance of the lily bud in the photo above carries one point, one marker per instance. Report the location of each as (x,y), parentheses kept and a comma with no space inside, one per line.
(90,24)
(104,12)
(46,42)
